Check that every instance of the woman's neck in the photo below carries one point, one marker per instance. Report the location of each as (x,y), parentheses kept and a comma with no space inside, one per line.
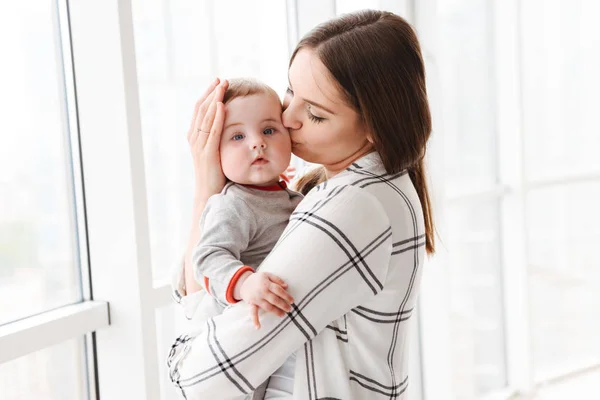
(334,169)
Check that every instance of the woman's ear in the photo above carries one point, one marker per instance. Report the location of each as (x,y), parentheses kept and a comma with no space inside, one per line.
(367,131)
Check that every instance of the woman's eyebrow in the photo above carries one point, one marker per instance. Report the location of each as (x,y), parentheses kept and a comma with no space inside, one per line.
(314,103)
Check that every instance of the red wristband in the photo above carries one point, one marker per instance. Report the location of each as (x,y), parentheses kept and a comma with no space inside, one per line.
(206,284)
(234,279)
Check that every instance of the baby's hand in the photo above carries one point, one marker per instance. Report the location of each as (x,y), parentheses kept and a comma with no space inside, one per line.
(289,174)
(267,291)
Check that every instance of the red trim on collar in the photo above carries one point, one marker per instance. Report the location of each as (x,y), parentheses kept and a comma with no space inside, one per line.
(281,185)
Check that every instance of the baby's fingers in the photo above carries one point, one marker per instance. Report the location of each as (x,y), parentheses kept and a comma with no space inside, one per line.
(281,305)
(279,291)
(276,279)
(269,307)
(254,316)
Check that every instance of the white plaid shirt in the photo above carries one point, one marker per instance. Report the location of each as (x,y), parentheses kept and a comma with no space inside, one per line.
(352,257)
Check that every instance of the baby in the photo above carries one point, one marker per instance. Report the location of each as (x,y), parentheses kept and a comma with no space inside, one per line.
(241,225)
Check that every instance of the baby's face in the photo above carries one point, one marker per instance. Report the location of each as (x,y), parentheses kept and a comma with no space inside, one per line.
(255,146)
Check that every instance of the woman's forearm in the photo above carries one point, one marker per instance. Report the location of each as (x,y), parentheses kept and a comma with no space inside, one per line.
(191,285)
(204,138)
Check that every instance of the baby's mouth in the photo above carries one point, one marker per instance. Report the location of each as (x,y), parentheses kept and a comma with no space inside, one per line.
(260,161)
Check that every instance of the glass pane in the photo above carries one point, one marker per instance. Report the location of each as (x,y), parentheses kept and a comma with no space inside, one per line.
(561,86)
(465,64)
(38,246)
(564,277)
(180,47)
(477,333)
(54,373)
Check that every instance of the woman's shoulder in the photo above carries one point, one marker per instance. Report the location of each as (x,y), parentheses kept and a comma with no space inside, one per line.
(371,181)
(365,190)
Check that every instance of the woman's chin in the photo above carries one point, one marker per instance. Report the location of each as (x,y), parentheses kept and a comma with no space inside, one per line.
(299,152)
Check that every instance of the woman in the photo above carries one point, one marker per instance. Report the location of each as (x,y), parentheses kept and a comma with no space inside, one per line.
(353,250)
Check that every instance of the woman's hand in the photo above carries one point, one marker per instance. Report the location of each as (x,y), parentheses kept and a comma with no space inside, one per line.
(204,137)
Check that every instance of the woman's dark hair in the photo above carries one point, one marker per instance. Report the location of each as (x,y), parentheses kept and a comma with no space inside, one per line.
(375,59)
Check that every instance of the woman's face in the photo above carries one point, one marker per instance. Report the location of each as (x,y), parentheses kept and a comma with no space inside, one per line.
(323,128)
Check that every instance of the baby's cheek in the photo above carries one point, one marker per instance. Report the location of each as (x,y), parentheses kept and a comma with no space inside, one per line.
(230,165)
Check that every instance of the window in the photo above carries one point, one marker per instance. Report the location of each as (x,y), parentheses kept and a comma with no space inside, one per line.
(560,60)
(43,268)
(180,49)
(520,180)
(54,373)
(39,248)
(467,83)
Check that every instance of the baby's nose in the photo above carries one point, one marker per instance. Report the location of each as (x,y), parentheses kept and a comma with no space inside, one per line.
(259,143)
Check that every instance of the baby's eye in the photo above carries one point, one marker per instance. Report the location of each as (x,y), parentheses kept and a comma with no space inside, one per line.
(238,136)
(269,131)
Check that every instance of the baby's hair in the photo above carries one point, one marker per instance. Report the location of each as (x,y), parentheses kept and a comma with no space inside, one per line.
(242,87)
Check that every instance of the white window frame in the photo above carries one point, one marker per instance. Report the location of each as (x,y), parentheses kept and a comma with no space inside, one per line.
(37,332)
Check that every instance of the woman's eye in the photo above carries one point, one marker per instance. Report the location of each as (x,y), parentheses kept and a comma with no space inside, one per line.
(313,117)
(269,131)
(239,136)
(289,91)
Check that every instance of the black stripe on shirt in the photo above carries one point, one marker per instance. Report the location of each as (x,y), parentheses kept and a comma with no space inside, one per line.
(316,207)
(392,394)
(309,377)
(339,334)
(386,316)
(174,356)
(373,179)
(227,363)
(345,249)
(411,240)
(378,387)
(294,314)
(404,250)
(312,362)
(337,330)
(395,320)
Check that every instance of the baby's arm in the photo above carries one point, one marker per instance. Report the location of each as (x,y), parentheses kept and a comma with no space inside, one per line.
(227,227)
(264,290)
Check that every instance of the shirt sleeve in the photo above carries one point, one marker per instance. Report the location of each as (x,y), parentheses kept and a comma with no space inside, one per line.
(342,241)
(227,226)
(189,302)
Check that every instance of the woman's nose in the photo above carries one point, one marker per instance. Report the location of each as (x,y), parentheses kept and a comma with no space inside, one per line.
(289,118)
